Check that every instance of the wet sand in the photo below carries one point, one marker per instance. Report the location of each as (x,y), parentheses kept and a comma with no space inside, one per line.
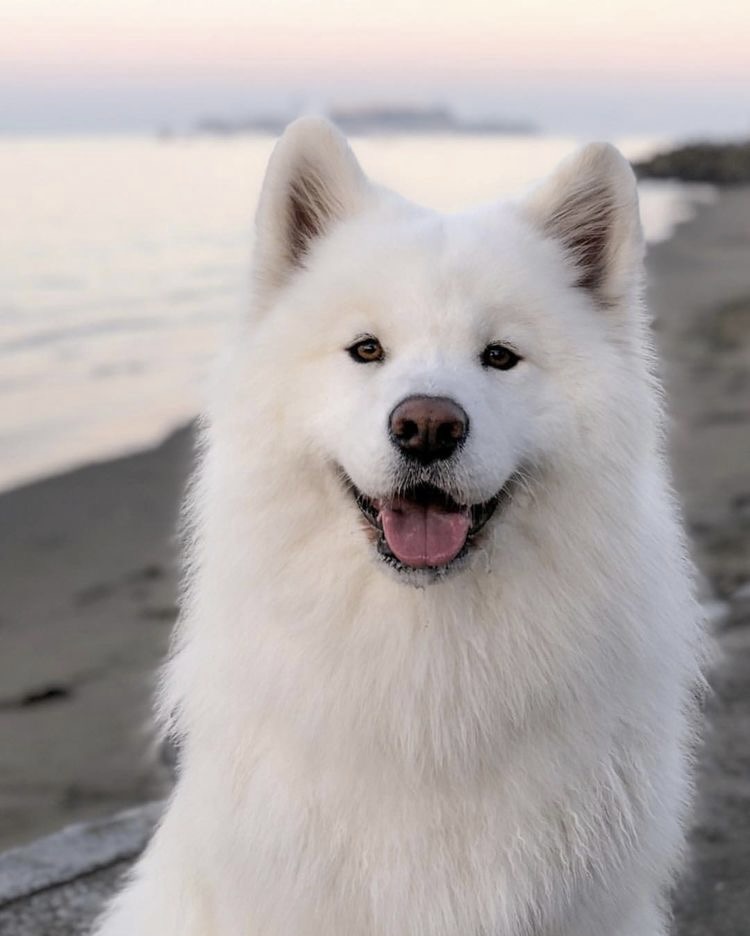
(700,294)
(87,602)
(88,581)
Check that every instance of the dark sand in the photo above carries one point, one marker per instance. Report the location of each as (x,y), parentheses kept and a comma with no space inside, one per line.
(88,581)
(87,586)
(700,294)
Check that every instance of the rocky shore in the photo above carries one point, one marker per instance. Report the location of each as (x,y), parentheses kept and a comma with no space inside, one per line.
(716,163)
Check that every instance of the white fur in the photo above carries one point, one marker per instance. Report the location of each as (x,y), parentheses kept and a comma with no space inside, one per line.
(505,750)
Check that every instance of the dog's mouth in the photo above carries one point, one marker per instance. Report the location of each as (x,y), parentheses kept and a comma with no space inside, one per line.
(423,527)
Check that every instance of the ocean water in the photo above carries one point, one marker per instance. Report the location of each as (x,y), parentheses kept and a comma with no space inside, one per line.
(123,259)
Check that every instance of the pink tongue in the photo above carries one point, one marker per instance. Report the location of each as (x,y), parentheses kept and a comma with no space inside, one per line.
(424,535)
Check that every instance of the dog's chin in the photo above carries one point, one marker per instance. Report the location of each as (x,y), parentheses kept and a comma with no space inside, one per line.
(422,534)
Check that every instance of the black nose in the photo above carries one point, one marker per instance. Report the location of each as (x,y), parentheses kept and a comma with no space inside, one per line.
(428,428)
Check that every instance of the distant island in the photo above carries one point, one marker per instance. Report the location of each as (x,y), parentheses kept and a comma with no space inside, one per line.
(715,163)
(375,120)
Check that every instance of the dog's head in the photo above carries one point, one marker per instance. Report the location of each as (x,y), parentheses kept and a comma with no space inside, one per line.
(436,363)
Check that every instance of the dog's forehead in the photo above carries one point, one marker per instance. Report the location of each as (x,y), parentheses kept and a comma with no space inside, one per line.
(421,240)
(435,276)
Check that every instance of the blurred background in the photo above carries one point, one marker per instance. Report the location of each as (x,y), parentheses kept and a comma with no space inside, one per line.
(133,139)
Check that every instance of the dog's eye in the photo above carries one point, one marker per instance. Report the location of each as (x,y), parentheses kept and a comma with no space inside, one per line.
(366,350)
(500,357)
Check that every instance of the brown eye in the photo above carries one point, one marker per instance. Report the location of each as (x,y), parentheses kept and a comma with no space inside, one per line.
(500,357)
(366,351)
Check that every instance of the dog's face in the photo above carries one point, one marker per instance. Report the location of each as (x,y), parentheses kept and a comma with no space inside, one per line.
(439,361)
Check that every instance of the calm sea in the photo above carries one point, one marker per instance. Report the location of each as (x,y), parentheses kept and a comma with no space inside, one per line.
(123,259)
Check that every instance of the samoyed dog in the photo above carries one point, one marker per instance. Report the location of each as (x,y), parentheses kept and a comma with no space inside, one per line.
(438,659)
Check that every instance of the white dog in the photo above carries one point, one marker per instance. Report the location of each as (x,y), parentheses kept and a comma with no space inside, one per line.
(436,670)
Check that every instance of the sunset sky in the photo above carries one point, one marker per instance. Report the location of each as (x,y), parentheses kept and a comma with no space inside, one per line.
(677,66)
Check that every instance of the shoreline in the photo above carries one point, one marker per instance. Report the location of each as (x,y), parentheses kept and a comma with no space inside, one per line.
(128,364)
(107,458)
(667,260)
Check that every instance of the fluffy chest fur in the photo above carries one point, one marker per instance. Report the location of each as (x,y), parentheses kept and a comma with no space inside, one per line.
(387,750)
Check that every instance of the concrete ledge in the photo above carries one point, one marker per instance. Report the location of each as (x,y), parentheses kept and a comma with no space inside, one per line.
(57,885)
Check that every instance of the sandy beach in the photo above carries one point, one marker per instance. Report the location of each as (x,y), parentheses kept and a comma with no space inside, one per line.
(88,573)
(700,295)
(88,577)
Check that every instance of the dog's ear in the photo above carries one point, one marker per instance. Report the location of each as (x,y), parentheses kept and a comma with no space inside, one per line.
(590,206)
(313,181)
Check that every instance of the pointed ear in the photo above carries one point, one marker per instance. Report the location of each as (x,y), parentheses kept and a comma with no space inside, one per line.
(590,206)
(313,181)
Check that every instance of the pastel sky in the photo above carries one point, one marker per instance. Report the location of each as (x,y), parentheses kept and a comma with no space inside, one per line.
(628,65)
